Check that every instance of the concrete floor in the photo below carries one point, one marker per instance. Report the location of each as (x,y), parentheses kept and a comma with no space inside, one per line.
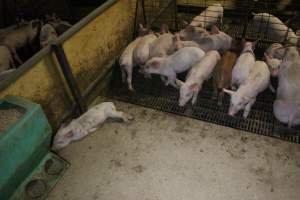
(161,156)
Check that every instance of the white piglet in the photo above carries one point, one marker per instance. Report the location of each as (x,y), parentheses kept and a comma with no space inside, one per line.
(6,60)
(287,112)
(179,62)
(257,81)
(243,65)
(87,123)
(210,16)
(196,76)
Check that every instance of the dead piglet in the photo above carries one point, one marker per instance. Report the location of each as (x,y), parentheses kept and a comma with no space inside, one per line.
(47,35)
(127,62)
(164,45)
(197,75)
(179,62)
(222,75)
(21,37)
(87,123)
(6,61)
(256,82)
(180,43)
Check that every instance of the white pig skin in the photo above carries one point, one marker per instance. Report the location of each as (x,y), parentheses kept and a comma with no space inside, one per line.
(191,33)
(196,76)
(287,112)
(180,61)
(275,28)
(141,53)
(243,65)
(256,82)
(163,46)
(47,35)
(127,63)
(87,123)
(210,16)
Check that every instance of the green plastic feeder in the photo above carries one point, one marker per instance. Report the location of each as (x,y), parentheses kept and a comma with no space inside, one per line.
(28,170)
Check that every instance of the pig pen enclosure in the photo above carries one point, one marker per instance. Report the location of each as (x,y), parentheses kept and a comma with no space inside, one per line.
(237,22)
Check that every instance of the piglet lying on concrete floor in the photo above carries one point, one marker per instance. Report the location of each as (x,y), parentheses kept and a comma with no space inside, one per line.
(87,123)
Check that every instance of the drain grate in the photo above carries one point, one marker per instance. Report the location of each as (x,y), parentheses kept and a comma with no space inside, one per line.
(153,94)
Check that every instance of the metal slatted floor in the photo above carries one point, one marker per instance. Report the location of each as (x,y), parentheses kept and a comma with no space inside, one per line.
(153,94)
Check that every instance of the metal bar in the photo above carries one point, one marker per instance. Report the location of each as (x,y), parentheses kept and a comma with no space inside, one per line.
(144,11)
(175,15)
(69,77)
(135,18)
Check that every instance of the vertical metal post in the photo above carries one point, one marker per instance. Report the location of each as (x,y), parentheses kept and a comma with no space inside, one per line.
(176,15)
(135,18)
(68,75)
(144,12)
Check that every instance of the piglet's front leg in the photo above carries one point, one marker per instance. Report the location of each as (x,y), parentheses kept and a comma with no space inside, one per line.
(248,108)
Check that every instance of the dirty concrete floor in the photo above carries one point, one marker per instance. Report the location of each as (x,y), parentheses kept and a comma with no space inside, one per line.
(161,156)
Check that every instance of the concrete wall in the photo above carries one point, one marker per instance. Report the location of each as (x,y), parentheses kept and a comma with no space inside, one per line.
(88,50)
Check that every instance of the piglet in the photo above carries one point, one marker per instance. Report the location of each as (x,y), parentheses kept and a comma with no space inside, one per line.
(180,43)
(164,45)
(256,82)
(169,66)
(196,76)
(209,16)
(191,33)
(222,75)
(217,40)
(141,53)
(20,37)
(243,64)
(127,62)
(287,112)
(47,35)
(6,60)
(89,122)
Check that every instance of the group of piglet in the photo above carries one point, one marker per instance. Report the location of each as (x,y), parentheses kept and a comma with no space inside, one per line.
(231,63)
(24,35)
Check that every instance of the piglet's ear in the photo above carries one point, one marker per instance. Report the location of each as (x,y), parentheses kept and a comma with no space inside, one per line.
(230,92)
(267,57)
(215,30)
(194,87)
(141,26)
(185,23)
(179,82)
(69,135)
(254,44)
(190,28)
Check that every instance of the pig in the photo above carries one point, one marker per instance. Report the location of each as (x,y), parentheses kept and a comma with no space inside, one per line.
(59,25)
(243,64)
(222,75)
(275,28)
(180,43)
(288,75)
(7,30)
(209,16)
(126,61)
(6,60)
(47,35)
(169,66)
(218,40)
(197,75)
(191,33)
(164,45)
(287,112)
(20,37)
(141,52)
(256,82)
(272,59)
(89,122)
